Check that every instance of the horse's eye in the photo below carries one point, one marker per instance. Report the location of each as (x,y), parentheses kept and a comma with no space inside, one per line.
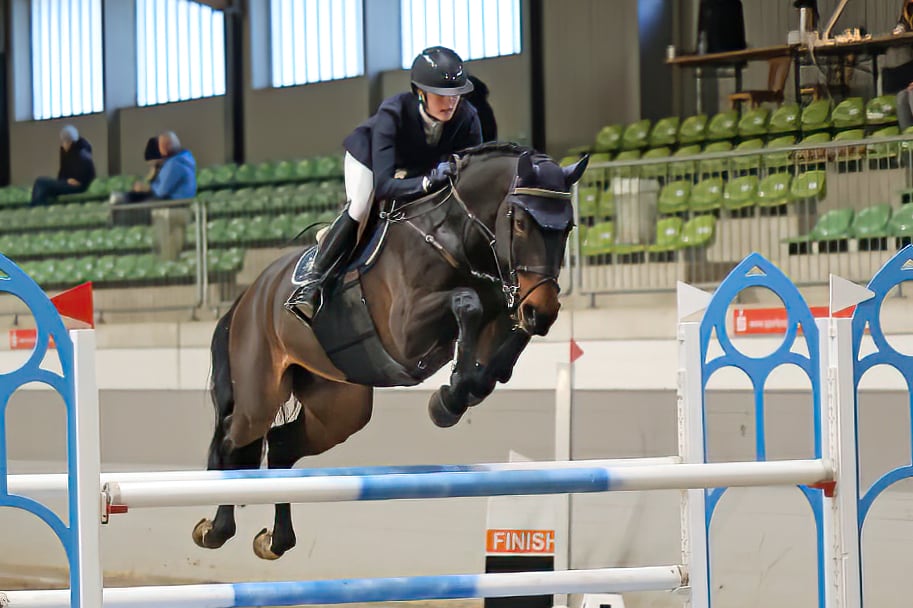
(520,223)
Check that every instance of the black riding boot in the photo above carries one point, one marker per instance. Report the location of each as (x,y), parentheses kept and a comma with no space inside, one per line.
(331,253)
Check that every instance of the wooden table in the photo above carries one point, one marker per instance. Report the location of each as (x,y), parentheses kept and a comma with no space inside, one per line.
(737,60)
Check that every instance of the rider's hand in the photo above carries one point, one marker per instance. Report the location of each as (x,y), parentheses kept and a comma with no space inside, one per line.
(439,176)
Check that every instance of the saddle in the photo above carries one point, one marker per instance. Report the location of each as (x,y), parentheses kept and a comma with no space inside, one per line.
(343,323)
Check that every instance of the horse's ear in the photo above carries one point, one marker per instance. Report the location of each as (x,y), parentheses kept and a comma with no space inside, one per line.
(573,173)
(525,170)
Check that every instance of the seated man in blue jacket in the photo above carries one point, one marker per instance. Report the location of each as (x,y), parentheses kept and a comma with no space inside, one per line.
(177,177)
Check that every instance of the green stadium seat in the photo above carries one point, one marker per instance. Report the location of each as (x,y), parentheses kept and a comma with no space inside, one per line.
(754,123)
(723,126)
(328,166)
(878,151)
(599,239)
(668,235)
(265,172)
(257,229)
(809,185)
(607,140)
(305,169)
(816,116)
(740,193)
(881,111)
(224,174)
(698,231)
(901,222)
(658,169)
(205,178)
(748,163)
(715,165)
(673,198)
(104,268)
(871,222)
(848,153)
(284,171)
(683,168)
(693,130)
(624,156)
(588,202)
(664,132)
(832,226)
(636,135)
(246,174)
(779,160)
(706,195)
(813,155)
(773,190)
(849,114)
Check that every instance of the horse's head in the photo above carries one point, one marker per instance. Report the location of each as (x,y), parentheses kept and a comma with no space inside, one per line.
(537,223)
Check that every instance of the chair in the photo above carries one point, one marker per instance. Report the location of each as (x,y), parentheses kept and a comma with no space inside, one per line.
(636,135)
(698,231)
(608,139)
(808,185)
(881,111)
(599,239)
(673,198)
(754,123)
(740,193)
(832,226)
(693,130)
(706,195)
(668,235)
(777,73)
(901,223)
(784,120)
(747,163)
(665,132)
(816,116)
(871,222)
(849,114)
(884,151)
(779,160)
(773,190)
(716,165)
(722,126)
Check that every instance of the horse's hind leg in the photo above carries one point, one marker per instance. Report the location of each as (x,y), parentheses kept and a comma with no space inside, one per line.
(285,448)
(212,534)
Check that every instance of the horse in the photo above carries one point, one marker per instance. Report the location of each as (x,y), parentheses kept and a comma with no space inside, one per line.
(468,273)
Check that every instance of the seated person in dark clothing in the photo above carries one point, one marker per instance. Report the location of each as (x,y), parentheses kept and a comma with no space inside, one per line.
(77,169)
(478,97)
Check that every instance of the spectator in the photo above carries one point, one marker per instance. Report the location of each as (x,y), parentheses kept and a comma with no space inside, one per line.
(177,177)
(153,157)
(77,169)
(478,97)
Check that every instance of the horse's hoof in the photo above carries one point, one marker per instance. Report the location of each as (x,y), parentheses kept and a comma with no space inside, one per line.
(202,538)
(263,545)
(440,414)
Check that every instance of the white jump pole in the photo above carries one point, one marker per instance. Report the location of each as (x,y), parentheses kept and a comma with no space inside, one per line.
(294,593)
(564,401)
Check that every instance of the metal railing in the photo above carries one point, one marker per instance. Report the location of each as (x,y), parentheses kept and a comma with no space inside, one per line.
(812,209)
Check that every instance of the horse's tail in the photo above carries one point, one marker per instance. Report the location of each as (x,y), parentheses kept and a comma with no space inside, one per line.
(221,389)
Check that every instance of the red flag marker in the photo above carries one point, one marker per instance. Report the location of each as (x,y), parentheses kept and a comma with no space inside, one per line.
(576,351)
(77,304)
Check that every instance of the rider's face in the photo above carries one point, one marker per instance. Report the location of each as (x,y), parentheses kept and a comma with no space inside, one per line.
(441,107)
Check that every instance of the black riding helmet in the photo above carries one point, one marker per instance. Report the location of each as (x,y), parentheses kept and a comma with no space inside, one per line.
(439,70)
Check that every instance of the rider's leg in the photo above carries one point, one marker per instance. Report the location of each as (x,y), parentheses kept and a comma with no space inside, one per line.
(340,238)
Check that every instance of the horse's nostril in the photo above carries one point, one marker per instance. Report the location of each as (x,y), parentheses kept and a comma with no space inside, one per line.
(529,314)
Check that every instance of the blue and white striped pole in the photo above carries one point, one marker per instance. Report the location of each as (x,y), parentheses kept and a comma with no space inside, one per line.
(344,591)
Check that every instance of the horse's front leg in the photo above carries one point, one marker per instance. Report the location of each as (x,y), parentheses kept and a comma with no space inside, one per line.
(449,403)
(499,368)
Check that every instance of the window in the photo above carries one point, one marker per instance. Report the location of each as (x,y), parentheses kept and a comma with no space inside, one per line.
(66,58)
(315,40)
(180,51)
(473,28)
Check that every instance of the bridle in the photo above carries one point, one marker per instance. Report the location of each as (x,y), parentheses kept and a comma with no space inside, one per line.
(508,280)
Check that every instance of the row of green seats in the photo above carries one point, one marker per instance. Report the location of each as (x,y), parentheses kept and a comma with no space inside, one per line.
(250,201)
(14,195)
(876,221)
(320,167)
(789,118)
(111,269)
(261,228)
(708,195)
(102,187)
(74,215)
(68,242)
(672,234)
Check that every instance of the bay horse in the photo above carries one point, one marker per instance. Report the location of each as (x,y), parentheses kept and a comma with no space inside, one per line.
(468,273)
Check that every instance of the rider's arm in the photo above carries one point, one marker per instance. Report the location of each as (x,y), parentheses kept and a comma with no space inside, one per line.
(383,155)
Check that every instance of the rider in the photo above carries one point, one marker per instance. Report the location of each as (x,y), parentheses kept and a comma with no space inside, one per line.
(397,154)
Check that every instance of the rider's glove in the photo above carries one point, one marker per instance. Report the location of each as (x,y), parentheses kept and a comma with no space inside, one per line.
(439,176)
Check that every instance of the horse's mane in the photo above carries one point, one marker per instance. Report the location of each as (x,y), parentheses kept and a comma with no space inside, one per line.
(494,148)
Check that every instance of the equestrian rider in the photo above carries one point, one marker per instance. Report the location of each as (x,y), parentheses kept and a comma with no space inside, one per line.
(396,155)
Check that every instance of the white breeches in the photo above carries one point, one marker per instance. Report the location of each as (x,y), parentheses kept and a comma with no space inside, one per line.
(359,188)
